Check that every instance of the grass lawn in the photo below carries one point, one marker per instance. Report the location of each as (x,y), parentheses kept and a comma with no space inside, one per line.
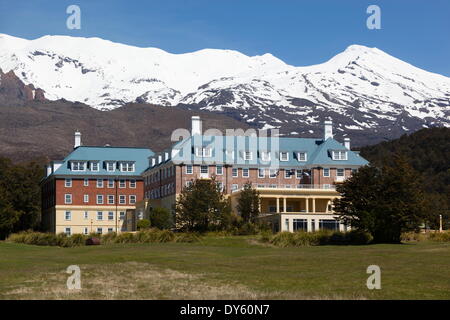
(225,268)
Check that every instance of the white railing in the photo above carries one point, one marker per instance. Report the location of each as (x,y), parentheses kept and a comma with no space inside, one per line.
(290,186)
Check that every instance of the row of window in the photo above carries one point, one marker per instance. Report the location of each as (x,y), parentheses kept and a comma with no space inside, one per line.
(110,183)
(100,216)
(161,192)
(110,199)
(302,225)
(110,166)
(68,230)
(165,173)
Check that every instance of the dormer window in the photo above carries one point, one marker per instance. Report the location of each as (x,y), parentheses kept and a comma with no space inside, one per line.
(265,155)
(110,166)
(95,166)
(203,152)
(230,154)
(284,156)
(78,165)
(248,155)
(302,156)
(339,155)
(127,166)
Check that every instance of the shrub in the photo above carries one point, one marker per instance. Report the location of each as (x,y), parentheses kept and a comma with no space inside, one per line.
(187,237)
(143,224)
(166,236)
(358,237)
(441,237)
(265,236)
(283,239)
(107,238)
(125,237)
(323,237)
(78,239)
(161,218)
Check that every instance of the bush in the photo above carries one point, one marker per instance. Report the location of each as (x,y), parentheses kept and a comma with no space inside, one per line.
(265,236)
(358,237)
(161,218)
(125,237)
(143,224)
(187,237)
(107,238)
(323,237)
(441,237)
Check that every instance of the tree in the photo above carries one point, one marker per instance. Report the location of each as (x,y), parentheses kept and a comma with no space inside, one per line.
(202,207)
(383,201)
(248,203)
(161,218)
(143,224)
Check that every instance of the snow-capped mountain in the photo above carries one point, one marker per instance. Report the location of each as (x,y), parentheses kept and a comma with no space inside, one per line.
(363,88)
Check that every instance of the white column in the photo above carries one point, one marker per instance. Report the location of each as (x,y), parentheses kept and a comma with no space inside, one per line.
(278,205)
(317,224)
(309,222)
(314,205)
(307,205)
(284,204)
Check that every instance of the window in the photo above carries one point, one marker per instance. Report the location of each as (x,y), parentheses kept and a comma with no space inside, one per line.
(273,173)
(68,182)
(86,182)
(326,172)
(122,199)
(110,199)
(340,172)
(122,215)
(301,156)
(99,215)
(339,155)
(99,230)
(99,199)
(265,156)
(261,173)
(78,165)
(133,183)
(86,215)
(203,169)
(248,155)
(94,166)
(234,172)
(110,230)
(99,183)
(299,173)
(110,215)
(245,172)
(110,183)
(86,198)
(220,186)
(188,184)
(127,166)
(234,187)
(122,183)
(189,169)
(110,166)
(287,173)
(203,152)
(132,199)
(284,156)
(286,222)
(68,215)
(68,231)
(299,225)
(67,198)
(85,231)
(219,170)
(329,224)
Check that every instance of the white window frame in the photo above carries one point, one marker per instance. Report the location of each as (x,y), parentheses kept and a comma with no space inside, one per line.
(99,230)
(263,175)
(86,182)
(235,172)
(100,183)
(298,173)
(299,158)
(248,155)
(281,156)
(85,231)
(202,167)
(189,169)
(243,172)
(68,231)
(86,215)
(100,199)
(78,165)
(217,170)
(68,215)
(265,156)
(234,186)
(109,198)
(110,216)
(274,175)
(132,183)
(110,169)
(122,215)
(70,198)
(111,183)
(329,172)
(132,199)
(287,173)
(122,183)
(337,172)
(339,155)
(68,182)
(99,215)
(122,199)
(85,198)
(127,166)
(95,163)
(205,152)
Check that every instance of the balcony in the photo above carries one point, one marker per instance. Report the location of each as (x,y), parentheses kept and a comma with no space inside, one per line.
(292,186)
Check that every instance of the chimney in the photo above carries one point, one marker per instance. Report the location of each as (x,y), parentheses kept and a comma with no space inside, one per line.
(77,139)
(328,132)
(153,162)
(347,143)
(48,169)
(196,126)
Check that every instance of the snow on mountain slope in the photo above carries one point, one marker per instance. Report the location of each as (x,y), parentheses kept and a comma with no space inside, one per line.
(363,88)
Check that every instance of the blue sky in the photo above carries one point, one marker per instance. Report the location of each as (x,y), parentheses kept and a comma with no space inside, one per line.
(298,32)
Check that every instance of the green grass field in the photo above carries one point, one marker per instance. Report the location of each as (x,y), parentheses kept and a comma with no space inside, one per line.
(225,268)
